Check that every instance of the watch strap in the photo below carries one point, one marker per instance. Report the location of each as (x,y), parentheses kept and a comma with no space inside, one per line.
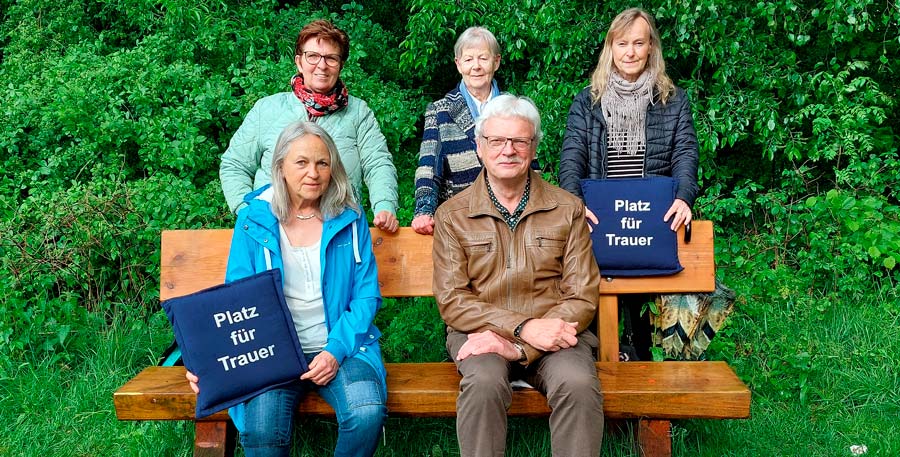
(518,331)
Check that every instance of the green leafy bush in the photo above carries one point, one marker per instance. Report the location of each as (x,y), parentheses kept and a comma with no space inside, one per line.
(114,115)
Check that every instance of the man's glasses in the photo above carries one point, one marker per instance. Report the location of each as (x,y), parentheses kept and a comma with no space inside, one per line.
(498,142)
(313,58)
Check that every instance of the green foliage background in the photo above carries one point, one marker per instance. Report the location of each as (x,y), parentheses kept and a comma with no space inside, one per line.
(113,115)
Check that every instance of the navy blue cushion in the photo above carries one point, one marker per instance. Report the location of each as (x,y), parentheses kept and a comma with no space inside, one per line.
(238,338)
(632,239)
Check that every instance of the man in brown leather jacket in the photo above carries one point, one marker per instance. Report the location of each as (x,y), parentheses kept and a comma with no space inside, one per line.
(516,282)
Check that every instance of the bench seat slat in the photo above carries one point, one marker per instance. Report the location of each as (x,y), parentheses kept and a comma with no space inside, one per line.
(671,390)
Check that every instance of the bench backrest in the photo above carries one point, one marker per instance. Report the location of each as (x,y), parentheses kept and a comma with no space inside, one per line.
(193,260)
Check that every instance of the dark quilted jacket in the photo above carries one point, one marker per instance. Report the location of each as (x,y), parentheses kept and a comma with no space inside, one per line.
(671,144)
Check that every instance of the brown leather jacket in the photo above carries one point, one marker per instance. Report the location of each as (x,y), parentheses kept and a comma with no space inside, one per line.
(487,277)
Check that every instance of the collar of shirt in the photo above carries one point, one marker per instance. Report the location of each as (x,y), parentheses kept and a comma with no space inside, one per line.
(511,219)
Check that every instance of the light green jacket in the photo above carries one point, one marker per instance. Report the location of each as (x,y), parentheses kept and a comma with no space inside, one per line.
(246,164)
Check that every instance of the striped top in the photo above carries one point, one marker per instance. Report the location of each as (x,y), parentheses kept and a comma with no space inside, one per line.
(625,165)
(622,164)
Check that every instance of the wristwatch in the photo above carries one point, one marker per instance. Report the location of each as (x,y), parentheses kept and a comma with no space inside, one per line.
(522,355)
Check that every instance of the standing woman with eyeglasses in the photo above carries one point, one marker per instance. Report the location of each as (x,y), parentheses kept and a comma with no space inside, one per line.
(319,95)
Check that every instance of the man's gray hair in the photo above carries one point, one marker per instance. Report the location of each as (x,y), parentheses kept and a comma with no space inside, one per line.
(474,36)
(338,195)
(508,105)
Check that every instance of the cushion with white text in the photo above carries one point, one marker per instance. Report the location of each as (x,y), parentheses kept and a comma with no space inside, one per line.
(238,338)
(632,239)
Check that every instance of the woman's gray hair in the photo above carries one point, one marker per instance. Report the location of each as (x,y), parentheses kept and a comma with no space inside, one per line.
(473,36)
(338,195)
(508,105)
(655,62)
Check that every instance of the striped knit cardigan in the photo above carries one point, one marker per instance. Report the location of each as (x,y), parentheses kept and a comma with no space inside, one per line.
(447,159)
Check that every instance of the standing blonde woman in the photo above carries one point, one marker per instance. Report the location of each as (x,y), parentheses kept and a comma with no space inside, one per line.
(632,121)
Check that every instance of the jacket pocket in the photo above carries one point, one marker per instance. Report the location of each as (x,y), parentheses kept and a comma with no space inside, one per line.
(550,238)
(481,251)
(544,249)
(476,243)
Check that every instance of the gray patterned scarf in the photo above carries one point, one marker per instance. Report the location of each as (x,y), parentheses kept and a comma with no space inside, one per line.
(625,109)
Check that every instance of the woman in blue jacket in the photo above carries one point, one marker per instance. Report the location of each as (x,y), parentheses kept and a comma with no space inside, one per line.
(308,224)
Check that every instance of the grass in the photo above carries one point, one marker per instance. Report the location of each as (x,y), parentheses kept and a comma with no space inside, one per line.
(823,370)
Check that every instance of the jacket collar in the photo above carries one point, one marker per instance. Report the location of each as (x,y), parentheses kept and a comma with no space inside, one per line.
(260,212)
(480,203)
(259,209)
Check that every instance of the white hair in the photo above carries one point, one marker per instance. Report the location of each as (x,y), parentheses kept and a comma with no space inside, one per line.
(508,105)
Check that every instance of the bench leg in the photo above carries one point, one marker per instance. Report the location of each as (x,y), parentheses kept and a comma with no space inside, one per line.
(654,438)
(608,328)
(213,439)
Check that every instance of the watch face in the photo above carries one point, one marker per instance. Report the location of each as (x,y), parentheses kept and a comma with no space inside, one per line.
(522,355)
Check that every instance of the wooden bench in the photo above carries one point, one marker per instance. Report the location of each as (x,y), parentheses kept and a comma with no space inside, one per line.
(653,392)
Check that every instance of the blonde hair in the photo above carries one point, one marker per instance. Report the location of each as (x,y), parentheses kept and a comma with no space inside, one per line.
(655,63)
(338,195)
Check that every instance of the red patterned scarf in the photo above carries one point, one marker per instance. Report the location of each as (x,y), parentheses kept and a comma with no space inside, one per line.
(317,104)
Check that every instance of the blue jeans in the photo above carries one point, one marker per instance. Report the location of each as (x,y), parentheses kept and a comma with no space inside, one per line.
(355,393)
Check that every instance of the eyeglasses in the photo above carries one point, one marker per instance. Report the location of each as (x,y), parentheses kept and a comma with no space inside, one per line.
(498,142)
(313,58)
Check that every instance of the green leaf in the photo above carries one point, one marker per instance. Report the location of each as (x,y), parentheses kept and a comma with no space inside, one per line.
(62,333)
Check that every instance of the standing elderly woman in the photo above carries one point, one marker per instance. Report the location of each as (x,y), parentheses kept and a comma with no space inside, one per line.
(447,159)
(319,95)
(308,224)
(632,121)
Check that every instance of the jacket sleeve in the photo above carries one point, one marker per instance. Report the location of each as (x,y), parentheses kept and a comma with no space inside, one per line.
(241,160)
(377,164)
(573,162)
(351,330)
(686,155)
(426,200)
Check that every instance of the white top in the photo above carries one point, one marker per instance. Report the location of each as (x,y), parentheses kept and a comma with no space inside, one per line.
(303,292)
